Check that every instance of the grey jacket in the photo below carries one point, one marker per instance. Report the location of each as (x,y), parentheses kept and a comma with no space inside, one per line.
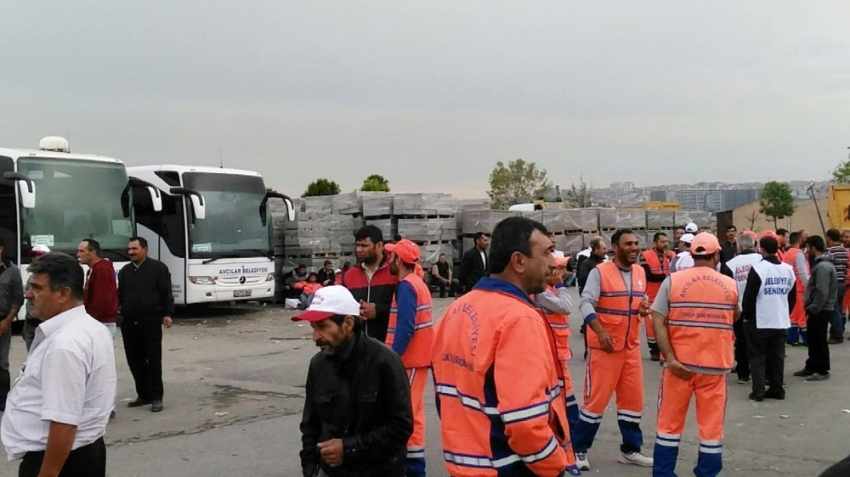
(11,289)
(822,289)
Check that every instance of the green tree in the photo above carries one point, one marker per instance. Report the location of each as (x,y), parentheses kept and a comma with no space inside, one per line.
(321,187)
(841,173)
(581,196)
(518,182)
(777,201)
(375,183)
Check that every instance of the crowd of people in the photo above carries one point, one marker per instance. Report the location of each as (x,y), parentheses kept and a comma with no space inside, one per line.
(55,415)
(708,309)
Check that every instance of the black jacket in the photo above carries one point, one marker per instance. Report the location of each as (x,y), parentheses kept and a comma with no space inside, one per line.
(363,399)
(144,292)
(587,266)
(472,268)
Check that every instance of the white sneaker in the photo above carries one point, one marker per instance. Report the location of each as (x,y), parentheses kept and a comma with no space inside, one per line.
(635,458)
(581,461)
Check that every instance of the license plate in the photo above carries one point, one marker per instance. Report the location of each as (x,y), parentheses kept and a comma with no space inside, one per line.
(241,293)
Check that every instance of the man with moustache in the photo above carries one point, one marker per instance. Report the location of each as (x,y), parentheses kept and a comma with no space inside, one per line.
(371,282)
(357,415)
(612,303)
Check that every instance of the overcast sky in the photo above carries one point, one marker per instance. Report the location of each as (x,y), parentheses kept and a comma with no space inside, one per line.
(432,93)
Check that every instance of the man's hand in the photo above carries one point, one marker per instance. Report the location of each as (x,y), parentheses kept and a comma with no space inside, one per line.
(643,309)
(4,326)
(367,310)
(166,322)
(332,452)
(605,341)
(679,369)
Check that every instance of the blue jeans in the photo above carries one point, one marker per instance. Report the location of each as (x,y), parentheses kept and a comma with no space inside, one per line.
(838,315)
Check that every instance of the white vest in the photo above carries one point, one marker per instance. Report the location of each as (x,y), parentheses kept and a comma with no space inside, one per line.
(740,266)
(772,303)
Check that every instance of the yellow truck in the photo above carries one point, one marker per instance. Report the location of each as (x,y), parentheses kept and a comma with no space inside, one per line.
(838,205)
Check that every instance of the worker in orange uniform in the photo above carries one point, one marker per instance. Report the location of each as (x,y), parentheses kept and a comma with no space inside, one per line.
(411,334)
(693,316)
(613,300)
(557,306)
(795,257)
(656,266)
(502,412)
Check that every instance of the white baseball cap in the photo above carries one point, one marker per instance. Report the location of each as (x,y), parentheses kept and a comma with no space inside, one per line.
(687,238)
(328,302)
(39,249)
(691,228)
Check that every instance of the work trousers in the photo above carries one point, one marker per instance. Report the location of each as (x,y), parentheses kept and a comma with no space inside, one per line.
(5,377)
(570,398)
(418,378)
(817,326)
(143,347)
(798,333)
(650,334)
(674,398)
(441,285)
(766,352)
(87,461)
(742,362)
(838,319)
(605,374)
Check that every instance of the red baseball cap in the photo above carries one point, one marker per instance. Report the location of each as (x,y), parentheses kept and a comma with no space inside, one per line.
(328,302)
(705,243)
(404,249)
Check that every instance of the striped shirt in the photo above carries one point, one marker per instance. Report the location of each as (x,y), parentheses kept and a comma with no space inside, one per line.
(69,377)
(839,255)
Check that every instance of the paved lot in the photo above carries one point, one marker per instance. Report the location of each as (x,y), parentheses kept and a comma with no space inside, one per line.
(234,393)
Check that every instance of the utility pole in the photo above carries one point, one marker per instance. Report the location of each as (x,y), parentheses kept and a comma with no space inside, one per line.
(811,190)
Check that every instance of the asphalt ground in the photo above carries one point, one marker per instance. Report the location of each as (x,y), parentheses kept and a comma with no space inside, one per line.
(234,391)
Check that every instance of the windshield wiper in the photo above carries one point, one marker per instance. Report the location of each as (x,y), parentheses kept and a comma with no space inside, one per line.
(230,255)
(263,253)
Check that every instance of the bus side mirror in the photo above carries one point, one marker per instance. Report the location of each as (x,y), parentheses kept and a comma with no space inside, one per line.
(156,198)
(290,209)
(198,206)
(28,192)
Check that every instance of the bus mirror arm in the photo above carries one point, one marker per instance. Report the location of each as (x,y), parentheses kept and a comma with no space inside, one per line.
(290,209)
(28,192)
(156,197)
(198,205)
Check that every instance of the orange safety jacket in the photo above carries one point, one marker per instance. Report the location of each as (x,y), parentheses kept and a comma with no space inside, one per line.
(560,325)
(418,351)
(308,288)
(500,415)
(699,323)
(790,258)
(617,308)
(656,267)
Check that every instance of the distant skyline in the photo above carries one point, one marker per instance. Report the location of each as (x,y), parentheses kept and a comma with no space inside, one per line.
(432,94)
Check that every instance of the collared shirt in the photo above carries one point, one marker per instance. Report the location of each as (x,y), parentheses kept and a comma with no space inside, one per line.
(69,377)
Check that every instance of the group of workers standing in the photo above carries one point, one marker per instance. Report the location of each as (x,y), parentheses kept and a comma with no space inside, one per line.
(499,354)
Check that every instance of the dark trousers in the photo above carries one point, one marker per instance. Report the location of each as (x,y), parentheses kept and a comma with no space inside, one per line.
(441,285)
(766,354)
(838,319)
(817,326)
(741,359)
(143,347)
(87,461)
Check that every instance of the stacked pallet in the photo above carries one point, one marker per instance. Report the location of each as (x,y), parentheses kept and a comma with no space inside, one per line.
(378,211)
(429,220)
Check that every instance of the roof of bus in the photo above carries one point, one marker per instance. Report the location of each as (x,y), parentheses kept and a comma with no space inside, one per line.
(182,169)
(16,154)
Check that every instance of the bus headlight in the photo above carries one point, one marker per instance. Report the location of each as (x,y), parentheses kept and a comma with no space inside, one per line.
(202,280)
(270,277)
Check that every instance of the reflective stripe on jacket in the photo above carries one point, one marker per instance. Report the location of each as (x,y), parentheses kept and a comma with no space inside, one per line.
(702,311)
(418,351)
(496,381)
(617,308)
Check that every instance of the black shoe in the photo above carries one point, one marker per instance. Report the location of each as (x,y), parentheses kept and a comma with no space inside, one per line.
(654,356)
(756,398)
(112,415)
(818,377)
(778,395)
(804,373)
(835,340)
(139,402)
(156,406)
(442,296)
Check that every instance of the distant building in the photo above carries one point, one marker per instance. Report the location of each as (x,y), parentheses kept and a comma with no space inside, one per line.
(715,200)
(658,196)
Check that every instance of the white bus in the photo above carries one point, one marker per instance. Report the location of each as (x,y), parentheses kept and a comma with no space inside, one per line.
(213,233)
(52,197)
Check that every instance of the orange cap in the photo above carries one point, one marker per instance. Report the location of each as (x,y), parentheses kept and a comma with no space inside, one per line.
(404,249)
(705,243)
(560,262)
(769,233)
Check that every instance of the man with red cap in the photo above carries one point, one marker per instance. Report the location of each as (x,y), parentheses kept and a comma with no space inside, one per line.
(357,416)
(411,334)
(693,315)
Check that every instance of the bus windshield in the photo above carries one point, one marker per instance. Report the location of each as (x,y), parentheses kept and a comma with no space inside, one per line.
(76,200)
(232,227)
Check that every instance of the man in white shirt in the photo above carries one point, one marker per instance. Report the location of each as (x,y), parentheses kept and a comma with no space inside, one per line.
(739,269)
(683,259)
(58,408)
